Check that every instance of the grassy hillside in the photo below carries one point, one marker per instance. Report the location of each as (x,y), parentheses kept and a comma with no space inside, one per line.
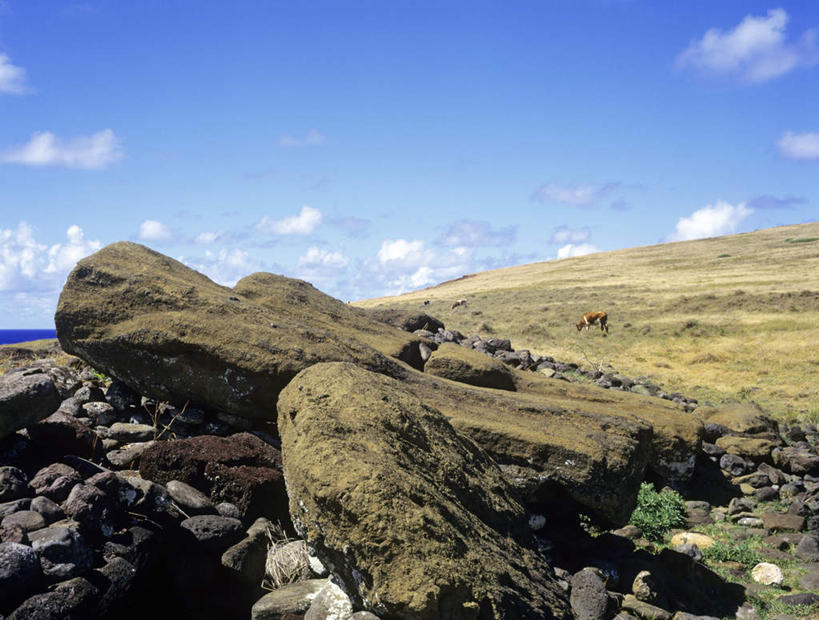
(727,318)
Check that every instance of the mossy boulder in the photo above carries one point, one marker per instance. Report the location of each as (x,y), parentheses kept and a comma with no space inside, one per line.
(745,418)
(169,332)
(413,518)
(457,363)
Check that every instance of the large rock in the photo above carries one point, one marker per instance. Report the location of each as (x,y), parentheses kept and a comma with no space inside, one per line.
(457,363)
(415,520)
(594,443)
(169,332)
(27,395)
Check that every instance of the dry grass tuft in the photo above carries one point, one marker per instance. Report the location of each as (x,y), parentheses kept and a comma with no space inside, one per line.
(286,559)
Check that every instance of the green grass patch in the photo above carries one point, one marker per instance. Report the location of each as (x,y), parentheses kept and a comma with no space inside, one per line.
(657,512)
(746,552)
(724,256)
(802,240)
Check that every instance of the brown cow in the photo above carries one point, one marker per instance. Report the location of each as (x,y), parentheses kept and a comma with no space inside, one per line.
(590,318)
(460,302)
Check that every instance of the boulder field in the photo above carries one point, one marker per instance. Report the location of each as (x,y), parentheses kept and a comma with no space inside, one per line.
(445,452)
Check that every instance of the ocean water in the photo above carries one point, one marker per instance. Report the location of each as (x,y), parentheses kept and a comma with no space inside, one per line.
(11,336)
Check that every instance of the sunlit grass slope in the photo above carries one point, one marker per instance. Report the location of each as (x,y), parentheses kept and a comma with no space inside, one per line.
(727,318)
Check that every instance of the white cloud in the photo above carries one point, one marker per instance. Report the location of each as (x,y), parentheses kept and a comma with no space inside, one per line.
(152,230)
(317,257)
(400,250)
(564,234)
(313,137)
(225,267)
(28,267)
(575,195)
(802,146)
(710,221)
(63,257)
(754,51)
(12,78)
(206,238)
(474,234)
(45,149)
(304,223)
(569,250)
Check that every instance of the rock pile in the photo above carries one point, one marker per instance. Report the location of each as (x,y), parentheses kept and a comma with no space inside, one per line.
(407,475)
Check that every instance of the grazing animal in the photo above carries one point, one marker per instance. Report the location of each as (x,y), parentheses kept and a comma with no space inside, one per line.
(460,302)
(426,302)
(590,318)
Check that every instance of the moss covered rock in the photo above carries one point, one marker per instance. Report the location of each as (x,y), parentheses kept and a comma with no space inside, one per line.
(169,332)
(457,363)
(414,519)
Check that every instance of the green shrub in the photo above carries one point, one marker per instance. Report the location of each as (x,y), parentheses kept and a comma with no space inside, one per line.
(657,512)
(741,551)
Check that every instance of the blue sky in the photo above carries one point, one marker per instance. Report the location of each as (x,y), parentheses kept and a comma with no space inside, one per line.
(375,147)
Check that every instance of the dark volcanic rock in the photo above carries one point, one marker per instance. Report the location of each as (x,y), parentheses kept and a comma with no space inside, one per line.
(61,434)
(20,574)
(414,519)
(27,395)
(240,469)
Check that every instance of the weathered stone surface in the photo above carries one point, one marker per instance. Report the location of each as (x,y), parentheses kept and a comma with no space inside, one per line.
(767,574)
(213,532)
(744,418)
(331,603)
(63,551)
(72,599)
(413,519)
(240,469)
(247,557)
(171,333)
(457,363)
(645,610)
(589,600)
(294,598)
(26,520)
(775,521)
(684,538)
(191,500)
(27,395)
(20,574)
(63,434)
(755,448)
(13,483)
(55,481)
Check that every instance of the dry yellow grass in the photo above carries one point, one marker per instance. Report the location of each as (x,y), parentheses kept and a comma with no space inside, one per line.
(727,318)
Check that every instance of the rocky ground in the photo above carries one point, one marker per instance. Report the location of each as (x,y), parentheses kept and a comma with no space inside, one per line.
(360,495)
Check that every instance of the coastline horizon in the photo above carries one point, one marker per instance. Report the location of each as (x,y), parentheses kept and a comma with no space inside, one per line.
(14,336)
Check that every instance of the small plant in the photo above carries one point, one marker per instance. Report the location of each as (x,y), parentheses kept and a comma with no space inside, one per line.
(286,561)
(657,512)
(724,256)
(100,377)
(741,551)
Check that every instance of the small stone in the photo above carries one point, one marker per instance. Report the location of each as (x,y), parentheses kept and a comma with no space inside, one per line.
(190,500)
(13,484)
(775,522)
(588,597)
(127,457)
(644,587)
(213,532)
(766,494)
(294,598)
(750,522)
(132,433)
(20,574)
(55,481)
(701,540)
(643,609)
(807,549)
(803,598)
(50,510)
(62,550)
(331,603)
(767,574)
(628,531)
(100,413)
(27,520)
